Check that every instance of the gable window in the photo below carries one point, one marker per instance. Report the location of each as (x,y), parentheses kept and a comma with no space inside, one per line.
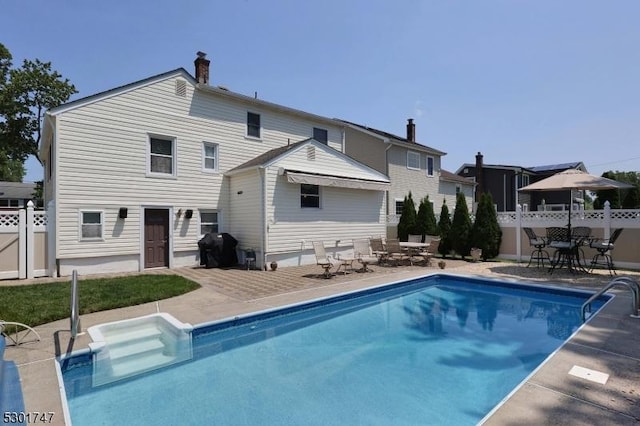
(208,221)
(413,160)
(321,135)
(429,166)
(209,157)
(162,155)
(253,125)
(309,196)
(90,225)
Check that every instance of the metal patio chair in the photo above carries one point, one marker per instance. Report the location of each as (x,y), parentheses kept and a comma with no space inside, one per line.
(604,247)
(539,243)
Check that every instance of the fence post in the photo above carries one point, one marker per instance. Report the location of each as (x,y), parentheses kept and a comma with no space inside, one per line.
(22,242)
(607,220)
(518,233)
(30,240)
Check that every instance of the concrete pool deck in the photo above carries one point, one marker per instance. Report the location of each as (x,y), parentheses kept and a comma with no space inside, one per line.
(609,343)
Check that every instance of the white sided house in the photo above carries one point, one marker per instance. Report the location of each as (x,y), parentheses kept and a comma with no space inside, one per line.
(136,175)
(310,192)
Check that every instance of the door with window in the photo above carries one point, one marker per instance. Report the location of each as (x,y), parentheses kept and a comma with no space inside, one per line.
(156,238)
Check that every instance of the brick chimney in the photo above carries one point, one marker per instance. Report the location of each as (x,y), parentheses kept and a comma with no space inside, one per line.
(479,173)
(411,130)
(202,68)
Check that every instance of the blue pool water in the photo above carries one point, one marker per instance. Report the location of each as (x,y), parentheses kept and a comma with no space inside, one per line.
(438,350)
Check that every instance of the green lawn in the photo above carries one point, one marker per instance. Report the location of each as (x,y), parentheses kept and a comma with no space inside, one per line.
(42,303)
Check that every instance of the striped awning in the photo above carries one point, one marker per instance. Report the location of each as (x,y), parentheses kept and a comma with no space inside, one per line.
(335,181)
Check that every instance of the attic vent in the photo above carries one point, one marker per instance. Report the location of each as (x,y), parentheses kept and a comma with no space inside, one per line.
(181,88)
(311,153)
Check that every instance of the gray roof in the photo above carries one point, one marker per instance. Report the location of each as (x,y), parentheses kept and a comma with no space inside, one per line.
(16,190)
(267,156)
(396,139)
(452,177)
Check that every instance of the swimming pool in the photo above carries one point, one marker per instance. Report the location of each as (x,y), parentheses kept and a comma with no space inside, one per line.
(435,350)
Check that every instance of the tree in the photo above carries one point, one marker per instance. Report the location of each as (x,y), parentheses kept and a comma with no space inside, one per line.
(461,227)
(611,195)
(426,220)
(444,228)
(486,233)
(407,223)
(632,199)
(25,94)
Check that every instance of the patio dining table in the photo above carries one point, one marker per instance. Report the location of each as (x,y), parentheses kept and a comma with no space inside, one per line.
(568,244)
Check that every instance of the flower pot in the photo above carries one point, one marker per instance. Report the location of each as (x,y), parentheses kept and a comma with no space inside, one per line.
(476,254)
(274,265)
(442,264)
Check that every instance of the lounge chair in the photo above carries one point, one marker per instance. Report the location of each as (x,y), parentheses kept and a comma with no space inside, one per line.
(323,259)
(396,253)
(377,248)
(362,252)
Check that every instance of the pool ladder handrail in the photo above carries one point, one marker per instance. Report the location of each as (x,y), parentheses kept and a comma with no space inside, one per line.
(75,311)
(630,283)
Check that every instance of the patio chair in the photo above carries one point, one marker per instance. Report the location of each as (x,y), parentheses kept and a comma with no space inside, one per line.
(17,332)
(431,251)
(396,253)
(377,248)
(362,252)
(323,259)
(539,243)
(603,246)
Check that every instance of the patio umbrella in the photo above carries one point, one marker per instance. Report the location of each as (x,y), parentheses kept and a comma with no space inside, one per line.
(574,179)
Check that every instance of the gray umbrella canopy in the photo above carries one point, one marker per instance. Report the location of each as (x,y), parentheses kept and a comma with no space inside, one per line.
(574,179)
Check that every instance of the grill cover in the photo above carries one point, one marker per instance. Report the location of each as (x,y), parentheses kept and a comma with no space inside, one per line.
(218,250)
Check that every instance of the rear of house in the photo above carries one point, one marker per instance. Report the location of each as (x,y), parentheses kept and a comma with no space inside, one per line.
(135,176)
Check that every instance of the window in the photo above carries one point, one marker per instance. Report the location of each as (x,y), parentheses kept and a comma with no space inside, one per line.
(208,221)
(161,156)
(399,206)
(253,125)
(458,189)
(321,135)
(10,203)
(413,160)
(429,166)
(209,157)
(524,180)
(90,225)
(309,196)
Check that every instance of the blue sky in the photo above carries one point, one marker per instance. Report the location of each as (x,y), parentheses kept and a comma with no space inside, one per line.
(526,82)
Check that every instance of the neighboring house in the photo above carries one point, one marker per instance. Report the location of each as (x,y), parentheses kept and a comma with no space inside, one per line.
(411,167)
(16,195)
(136,175)
(503,182)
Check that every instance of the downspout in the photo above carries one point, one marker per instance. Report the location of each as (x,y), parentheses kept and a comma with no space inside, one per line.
(515,189)
(262,173)
(504,192)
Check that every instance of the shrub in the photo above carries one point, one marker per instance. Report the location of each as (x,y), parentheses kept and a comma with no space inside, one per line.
(407,223)
(444,228)
(461,227)
(486,233)
(426,219)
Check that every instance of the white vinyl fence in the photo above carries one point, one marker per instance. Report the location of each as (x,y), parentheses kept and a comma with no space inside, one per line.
(23,243)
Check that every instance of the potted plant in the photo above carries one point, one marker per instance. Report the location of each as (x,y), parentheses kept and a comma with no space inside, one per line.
(274,265)
(476,253)
(442,264)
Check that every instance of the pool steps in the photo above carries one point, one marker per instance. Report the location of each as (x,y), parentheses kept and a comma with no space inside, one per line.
(127,348)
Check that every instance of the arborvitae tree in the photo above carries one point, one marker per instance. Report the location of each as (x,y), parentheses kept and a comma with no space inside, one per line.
(426,220)
(461,227)
(486,233)
(407,223)
(444,228)
(632,199)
